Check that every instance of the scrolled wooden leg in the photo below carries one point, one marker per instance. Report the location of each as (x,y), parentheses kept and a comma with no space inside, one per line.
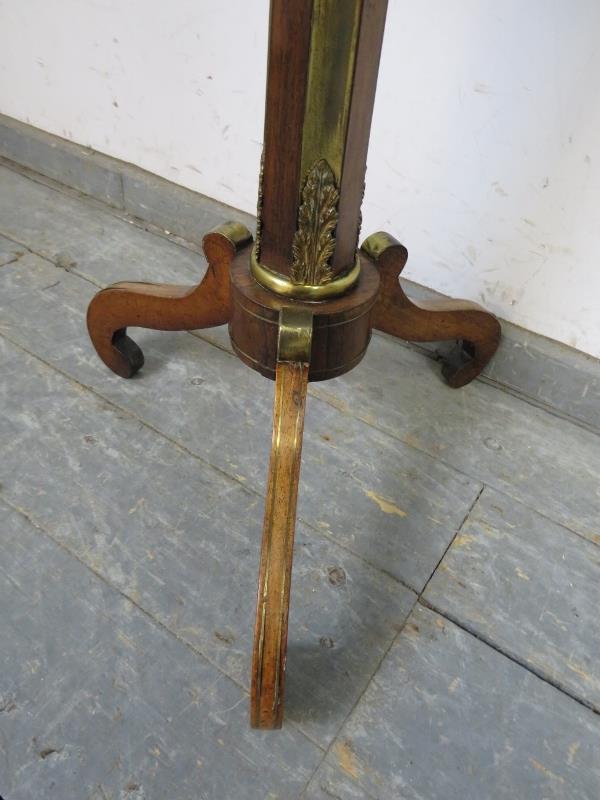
(164,307)
(476,330)
(272,608)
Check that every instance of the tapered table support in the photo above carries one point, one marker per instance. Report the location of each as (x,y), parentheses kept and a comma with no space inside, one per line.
(163,307)
(475,330)
(275,573)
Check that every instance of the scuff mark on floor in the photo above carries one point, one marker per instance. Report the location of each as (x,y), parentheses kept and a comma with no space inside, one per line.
(385,505)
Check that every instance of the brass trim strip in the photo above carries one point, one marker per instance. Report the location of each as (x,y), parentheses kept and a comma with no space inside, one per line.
(335,28)
(295,334)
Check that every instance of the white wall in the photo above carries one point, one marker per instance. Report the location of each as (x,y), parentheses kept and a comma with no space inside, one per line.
(484,157)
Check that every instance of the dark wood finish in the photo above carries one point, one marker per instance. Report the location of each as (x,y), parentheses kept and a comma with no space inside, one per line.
(341,327)
(275,573)
(476,330)
(160,307)
(289,40)
(359,128)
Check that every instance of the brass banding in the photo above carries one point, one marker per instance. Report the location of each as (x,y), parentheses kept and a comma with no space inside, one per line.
(279,284)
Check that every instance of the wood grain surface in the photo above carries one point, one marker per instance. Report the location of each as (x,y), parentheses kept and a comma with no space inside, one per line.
(341,326)
(272,608)
(476,331)
(161,307)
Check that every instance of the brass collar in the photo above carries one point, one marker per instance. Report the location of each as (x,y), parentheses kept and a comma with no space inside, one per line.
(280,284)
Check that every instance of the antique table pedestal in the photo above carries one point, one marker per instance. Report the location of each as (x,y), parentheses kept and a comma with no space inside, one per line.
(302,299)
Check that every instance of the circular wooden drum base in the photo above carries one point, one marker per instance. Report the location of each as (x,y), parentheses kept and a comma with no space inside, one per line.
(341,326)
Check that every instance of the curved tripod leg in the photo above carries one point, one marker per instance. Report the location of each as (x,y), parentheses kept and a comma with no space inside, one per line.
(163,307)
(272,608)
(477,331)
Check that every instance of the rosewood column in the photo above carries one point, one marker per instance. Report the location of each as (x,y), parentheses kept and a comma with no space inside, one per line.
(322,71)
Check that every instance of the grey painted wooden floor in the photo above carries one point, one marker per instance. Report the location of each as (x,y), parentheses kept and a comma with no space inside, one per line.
(444,636)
